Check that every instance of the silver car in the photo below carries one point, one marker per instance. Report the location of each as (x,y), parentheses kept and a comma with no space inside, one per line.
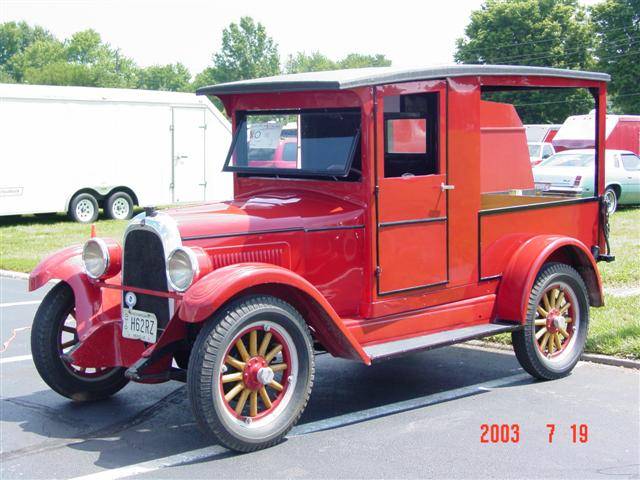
(572,172)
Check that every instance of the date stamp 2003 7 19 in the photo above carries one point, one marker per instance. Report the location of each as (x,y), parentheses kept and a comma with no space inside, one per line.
(510,433)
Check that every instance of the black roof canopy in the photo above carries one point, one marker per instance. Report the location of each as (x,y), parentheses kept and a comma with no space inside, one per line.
(361,77)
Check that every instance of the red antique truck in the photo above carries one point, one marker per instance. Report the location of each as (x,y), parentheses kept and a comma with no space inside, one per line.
(370,245)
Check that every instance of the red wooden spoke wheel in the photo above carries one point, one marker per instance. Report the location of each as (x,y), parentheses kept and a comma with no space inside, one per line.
(554,323)
(251,372)
(257,372)
(67,339)
(53,335)
(553,338)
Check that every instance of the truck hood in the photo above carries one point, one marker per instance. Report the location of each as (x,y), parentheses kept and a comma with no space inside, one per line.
(264,213)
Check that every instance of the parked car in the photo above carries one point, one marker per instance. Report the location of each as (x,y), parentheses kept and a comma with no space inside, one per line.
(571,172)
(362,249)
(539,152)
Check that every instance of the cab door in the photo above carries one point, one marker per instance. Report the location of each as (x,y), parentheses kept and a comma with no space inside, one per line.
(411,186)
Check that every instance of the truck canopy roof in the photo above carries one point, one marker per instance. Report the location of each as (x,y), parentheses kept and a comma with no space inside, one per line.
(361,77)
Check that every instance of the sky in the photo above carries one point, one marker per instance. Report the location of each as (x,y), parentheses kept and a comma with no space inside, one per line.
(409,32)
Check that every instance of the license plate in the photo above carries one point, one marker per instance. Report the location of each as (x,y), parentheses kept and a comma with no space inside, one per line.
(542,186)
(139,325)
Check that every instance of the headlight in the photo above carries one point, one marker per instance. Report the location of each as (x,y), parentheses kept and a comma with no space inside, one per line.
(182,268)
(95,258)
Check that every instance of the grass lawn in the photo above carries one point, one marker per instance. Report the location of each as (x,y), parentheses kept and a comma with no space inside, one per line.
(614,329)
(24,241)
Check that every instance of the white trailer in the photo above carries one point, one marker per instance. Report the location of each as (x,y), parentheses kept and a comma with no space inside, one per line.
(74,149)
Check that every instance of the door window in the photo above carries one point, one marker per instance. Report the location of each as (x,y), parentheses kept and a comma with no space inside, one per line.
(411,135)
(631,162)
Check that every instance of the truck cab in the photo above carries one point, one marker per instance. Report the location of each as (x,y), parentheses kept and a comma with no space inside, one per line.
(404,217)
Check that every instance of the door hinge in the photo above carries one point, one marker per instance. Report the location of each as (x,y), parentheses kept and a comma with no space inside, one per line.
(378,271)
(376,191)
(171,128)
(203,126)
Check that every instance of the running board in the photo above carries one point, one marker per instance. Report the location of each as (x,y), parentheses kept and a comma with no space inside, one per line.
(386,350)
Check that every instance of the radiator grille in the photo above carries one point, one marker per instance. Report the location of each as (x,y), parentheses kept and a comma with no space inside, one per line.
(144,267)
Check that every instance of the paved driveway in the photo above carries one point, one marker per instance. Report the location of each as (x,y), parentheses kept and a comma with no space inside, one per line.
(418,416)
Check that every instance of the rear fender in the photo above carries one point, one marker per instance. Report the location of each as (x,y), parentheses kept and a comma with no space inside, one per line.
(521,272)
(217,288)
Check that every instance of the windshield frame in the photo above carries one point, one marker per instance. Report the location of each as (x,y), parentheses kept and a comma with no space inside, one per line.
(292,172)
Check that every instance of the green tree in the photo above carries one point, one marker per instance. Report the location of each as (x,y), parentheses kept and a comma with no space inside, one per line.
(617,26)
(14,38)
(247,52)
(36,56)
(552,33)
(172,77)
(314,62)
(357,60)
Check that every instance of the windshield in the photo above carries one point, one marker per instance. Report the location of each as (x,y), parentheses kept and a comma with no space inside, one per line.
(315,143)
(534,150)
(569,160)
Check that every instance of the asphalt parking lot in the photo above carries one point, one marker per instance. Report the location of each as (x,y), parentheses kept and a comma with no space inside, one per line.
(418,416)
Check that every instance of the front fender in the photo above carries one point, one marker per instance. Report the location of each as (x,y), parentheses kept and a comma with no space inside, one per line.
(216,288)
(521,272)
(66,265)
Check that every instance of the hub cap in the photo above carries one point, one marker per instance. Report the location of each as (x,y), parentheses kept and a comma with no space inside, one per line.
(257,373)
(85,210)
(556,321)
(120,208)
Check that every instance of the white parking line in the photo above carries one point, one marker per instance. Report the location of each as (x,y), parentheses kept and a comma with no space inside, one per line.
(18,304)
(17,358)
(319,425)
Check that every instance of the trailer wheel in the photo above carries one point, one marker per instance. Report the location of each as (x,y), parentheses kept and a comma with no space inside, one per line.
(84,208)
(119,206)
(251,372)
(611,199)
(553,338)
(52,335)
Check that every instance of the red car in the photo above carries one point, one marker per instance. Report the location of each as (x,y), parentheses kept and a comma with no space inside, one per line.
(408,221)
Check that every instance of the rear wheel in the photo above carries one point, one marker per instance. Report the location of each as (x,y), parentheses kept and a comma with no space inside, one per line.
(553,338)
(53,334)
(251,372)
(611,199)
(84,208)
(119,206)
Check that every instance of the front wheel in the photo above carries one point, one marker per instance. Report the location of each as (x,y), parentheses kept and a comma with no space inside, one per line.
(553,338)
(53,334)
(251,372)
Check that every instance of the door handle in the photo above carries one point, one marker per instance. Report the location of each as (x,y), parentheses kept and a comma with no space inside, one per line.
(444,186)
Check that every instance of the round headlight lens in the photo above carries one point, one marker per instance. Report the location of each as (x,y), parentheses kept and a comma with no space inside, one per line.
(182,268)
(95,257)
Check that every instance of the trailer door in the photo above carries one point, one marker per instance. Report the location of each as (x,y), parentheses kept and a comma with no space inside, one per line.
(412,189)
(189,169)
